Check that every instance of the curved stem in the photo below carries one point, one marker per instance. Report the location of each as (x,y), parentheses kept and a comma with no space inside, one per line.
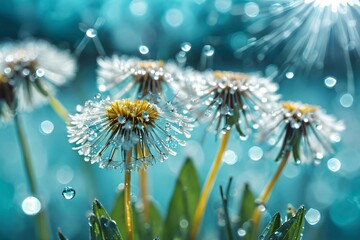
(267,191)
(59,108)
(41,222)
(204,196)
(127,200)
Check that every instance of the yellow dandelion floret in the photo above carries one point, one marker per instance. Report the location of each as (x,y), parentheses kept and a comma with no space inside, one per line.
(149,133)
(295,106)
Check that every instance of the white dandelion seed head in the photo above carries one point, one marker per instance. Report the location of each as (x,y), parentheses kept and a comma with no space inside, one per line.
(226,99)
(106,132)
(34,68)
(139,79)
(305,131)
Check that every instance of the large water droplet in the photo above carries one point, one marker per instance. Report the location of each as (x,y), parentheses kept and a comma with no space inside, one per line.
(31,205)
(330,82)
(208,50)
(121,119)
(312,216)
(91,33)
(260,205)
(334,164)
(143,49)
(68,193)
(185,46)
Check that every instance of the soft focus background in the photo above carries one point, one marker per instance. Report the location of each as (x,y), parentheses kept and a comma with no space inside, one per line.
(311,65)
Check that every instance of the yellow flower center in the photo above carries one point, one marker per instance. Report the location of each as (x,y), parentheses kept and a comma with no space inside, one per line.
(302,108)
(136,112)
(3,79)
(233,76)
(150,64)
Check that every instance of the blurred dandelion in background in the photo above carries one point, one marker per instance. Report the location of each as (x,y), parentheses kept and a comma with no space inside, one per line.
(307,35)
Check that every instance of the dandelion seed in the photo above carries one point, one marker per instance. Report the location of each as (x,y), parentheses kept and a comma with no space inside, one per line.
(103,128)
(305,130)
(231,99)
(29,72)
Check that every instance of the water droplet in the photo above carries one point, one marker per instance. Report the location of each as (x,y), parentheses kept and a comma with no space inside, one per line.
(185,46)
(145,116)
(277,233)
(91,33)
(346,100)
(260,205)
(289,75)
(297,161)
(330,82)
(68,193)
(241,232)
(40,72)
(208,50)
(143,49)
(255,153)
(121,119)
(97,96)
(312,216)
(334,164)
(46,127)
(31,205)
(184,223)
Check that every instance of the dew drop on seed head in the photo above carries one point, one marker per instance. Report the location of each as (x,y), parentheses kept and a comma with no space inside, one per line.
(121,119)
(68,193)
(91,33)
(185,46)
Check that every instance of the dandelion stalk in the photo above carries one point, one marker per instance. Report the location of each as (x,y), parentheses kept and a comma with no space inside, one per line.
(127,200)
(143,185)
(41,222)
(59,108)
(267,191)
(200,209)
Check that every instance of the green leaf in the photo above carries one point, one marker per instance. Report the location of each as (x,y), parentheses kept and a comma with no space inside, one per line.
(183,203)
(99,210)
(247,206)
(95,229)
(291,229)
(273,225)
(109,229)
(61,235)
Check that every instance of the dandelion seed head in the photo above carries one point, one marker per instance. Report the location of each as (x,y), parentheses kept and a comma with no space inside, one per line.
(106,132)
(33,69)
(304,130)
(228,99)
(141,79)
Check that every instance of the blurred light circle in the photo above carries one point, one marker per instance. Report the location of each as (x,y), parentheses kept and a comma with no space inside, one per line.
(255,153)
(346,100)
(186,46)
(208,50)
(312,216)
(64,174)
(330,82)
(143,49)
(46,127)
(174,17)
(334,164)
(344,213)
(230,157)
(223,6)
(251,9)
(138,8)
(289,75)
(271,70)
(31,205)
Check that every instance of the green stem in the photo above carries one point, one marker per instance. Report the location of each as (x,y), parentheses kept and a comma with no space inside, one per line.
(41,222)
